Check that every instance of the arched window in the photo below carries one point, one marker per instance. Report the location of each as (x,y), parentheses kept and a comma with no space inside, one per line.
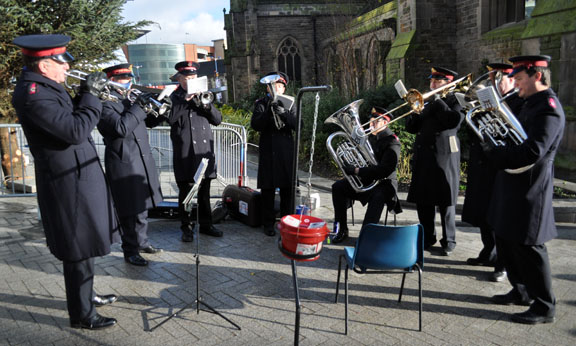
(289,60)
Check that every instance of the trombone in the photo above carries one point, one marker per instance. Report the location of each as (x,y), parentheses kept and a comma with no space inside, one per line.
(415,100)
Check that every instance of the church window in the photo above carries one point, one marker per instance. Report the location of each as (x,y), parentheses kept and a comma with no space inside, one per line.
(289,60)
(499,12)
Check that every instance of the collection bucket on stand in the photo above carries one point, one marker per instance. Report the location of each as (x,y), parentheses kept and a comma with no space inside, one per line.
(301,237)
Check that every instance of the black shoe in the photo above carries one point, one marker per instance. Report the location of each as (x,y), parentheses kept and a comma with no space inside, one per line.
(187,233)
(151,250)
(212,231)
(269,231)
(477,261)
(340,236)
(510,298)
(428,245)
(529,317)
(136,260)
(498,276)
(95,322)
(104,300)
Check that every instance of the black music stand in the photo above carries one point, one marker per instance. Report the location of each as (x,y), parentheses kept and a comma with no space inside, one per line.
(188,205)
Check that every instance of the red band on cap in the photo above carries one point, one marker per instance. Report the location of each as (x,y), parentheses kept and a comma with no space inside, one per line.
(119,71)
(508,70)
(282,80)
(187,68)
(528,63)
(438,75)
(45,52)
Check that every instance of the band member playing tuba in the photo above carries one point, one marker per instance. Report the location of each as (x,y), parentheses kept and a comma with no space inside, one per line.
(481,174)
(436,162)
(275,124)
(386,147)
(130,167)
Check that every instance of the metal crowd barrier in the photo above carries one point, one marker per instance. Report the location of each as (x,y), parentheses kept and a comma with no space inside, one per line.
(229,147)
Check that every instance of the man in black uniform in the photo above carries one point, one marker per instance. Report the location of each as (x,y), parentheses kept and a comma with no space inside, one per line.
(276,148)
(481,174)
(129,166)
(386,147)
(436,162)
(521,207)
(77,210)
(192,141)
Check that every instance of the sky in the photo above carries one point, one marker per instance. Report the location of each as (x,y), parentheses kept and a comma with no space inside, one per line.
(179,21)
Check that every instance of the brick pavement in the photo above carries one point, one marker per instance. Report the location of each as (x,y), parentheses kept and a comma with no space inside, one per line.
(245,277)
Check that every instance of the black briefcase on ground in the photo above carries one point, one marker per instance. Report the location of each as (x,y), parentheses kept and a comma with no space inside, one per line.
(165,210)
(243,204)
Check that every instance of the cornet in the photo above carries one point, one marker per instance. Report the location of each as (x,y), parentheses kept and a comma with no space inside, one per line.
(155,107)
(105,94)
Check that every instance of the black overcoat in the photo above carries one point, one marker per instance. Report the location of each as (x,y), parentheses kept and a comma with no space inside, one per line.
(276,147)
(481,175)
(191,136)
(128,159)
(74,199)
(436,160)
(521,207)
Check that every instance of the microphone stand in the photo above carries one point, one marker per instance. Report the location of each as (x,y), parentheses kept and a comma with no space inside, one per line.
(188,205)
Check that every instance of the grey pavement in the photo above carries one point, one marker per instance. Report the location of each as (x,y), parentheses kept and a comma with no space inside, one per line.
(245,277)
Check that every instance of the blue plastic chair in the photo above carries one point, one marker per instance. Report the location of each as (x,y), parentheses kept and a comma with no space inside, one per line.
(385,249)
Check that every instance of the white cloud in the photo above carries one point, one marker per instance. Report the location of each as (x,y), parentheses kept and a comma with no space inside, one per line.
(179,21)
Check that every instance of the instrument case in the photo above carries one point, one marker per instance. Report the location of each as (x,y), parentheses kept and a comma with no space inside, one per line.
(243,204)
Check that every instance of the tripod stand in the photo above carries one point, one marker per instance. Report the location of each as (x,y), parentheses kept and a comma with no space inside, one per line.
(188,206)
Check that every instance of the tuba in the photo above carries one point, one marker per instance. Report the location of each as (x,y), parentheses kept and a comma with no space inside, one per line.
(351,146)
(490,118)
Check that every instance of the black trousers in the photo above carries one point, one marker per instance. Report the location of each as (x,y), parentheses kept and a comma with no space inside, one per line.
(529,273)
(489,251)
(267,204)
(79,282)
(134,233)
(343,194)
(204,207)
(427,215)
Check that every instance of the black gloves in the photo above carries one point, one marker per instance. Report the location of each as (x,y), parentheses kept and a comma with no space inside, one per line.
(487,145)
(94,83)
(143,100)
(439,105)
(277,108)
(349,169)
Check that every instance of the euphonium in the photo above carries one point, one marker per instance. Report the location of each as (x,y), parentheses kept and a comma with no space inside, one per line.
(491,119)
(350,146)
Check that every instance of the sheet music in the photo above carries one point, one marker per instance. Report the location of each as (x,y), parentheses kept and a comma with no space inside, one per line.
(400,88)
(188,201)
(197,85)
(287,101)
(488,98)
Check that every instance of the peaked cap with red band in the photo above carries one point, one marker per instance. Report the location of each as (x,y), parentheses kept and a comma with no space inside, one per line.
(45,46)
(282,77)
(379,111)
(442,73)
(187,68)
(526,62)
(120,70)
(497,66)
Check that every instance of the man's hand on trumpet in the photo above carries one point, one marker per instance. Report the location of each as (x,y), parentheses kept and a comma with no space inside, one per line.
(94,83)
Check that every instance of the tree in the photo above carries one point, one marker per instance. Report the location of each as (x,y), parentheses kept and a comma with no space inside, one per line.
(96,29)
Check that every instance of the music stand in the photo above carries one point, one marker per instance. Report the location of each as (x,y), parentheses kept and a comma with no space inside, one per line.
(188,204)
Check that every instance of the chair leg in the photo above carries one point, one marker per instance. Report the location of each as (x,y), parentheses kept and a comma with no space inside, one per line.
(419,297)
(402,287)
(338,280)
(346,300)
